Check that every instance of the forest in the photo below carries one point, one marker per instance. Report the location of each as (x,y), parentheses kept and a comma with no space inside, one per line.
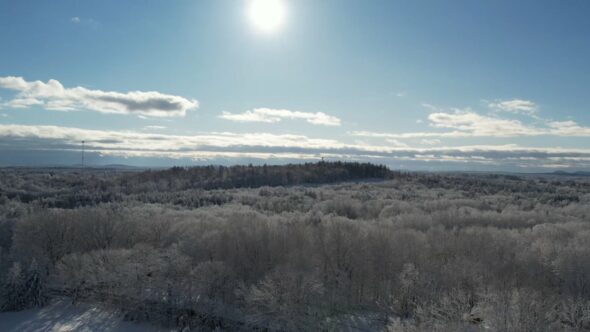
(324,246)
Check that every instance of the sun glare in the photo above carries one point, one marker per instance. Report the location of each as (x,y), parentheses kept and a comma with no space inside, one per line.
(267,15)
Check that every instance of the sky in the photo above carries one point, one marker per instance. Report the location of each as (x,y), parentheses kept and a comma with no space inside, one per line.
(418,85)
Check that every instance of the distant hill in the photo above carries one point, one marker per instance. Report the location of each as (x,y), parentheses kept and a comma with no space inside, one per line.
(578,173)
(211,177)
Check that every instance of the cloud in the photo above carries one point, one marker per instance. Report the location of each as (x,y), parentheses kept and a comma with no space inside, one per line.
(128,140)
(54,96)
(515,106)
(430,141)
(474,124)
(154,127)
(215,145)
(23,102)
(396,143)
(399,94)
(270,115)
(372,134)
(466,123)
(568,128)
(92,23)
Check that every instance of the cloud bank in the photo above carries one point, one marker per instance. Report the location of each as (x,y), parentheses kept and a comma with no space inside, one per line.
(466,123)
(265,146)
(54,96)
(270,115)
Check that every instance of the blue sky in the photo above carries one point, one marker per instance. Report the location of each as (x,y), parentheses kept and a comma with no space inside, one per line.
(466,85)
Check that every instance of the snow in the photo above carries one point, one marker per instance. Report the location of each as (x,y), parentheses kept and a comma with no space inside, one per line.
(357,322)
(61,316)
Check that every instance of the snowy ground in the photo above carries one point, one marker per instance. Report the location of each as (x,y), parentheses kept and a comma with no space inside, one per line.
(62,316)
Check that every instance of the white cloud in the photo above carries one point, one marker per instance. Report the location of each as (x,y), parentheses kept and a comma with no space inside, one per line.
(410,135)
(515,106)
(466,123)
(23,102)
(430,141)
(396,143)
(568,128)
(154,127)
(270,115)
(127,140)
(208,146)
(89,22)
(372,134)
(475,124)
(54,96)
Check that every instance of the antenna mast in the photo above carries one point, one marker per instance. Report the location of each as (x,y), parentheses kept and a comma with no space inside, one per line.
(83,153)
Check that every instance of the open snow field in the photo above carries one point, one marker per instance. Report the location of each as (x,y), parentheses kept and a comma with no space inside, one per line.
(61,316)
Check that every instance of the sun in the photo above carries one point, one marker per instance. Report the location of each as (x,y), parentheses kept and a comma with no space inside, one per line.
(267,15)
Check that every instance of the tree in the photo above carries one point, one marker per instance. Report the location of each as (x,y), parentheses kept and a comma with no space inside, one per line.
(23,289)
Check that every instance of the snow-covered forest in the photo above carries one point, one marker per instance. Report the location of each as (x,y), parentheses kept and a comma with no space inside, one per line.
(324,246)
